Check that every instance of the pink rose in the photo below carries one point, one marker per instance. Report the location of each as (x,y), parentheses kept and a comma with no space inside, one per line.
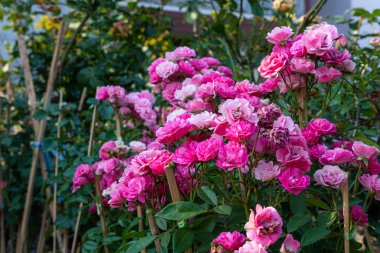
(320,38)
(135,190)
(251,247)
(225,70)
(311,136)
(230,241)
(316,151)
(102,93)
(117,196)
(248,88)
(343,144)
(207,90)
(370,182)
(331,176)
(236,109)
(302,65)
(198,105)
(336,156)
(326,74)
(211,61)
(364,151)
(294,156)
(137,146)
(186,92)
(184,52)
(272,64)
(266,171)
(240,131)
(322,126)
(264,227)
(173,130)
(208,150)
(112,149)
(293,180)
(153,160)
(232,155)
(269,85)
(185,154)
(187,68)
(169,91)
(201,120)
(291,82)
(373,166)
(166,68)
(358,216)
(279,35)
(298,48)
(288,123)
(290,245)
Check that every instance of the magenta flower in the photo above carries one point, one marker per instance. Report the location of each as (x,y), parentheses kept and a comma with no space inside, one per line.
(320,38)
(240,131)
(370,182)
(230,241)
(237,109)
(316,151)
(264,227)
(331,176)
(293,180)
(272,64)
(322,126)
(208,150)
(357,215)
(302,65)
(173,130)
(290,245)
(295,157)
(269,85)
(325,74)
(279,35)
(185,154)
(232,155)
(336,156)
(364,151)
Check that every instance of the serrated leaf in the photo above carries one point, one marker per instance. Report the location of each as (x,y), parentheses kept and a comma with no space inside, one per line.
(140,244)
(313,235)
(182,240)
(223,209)
(297,221)
(180,211)
(207,195)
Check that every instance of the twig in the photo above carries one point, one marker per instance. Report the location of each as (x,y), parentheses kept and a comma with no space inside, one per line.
(346,216)
(310,15)
(41,131)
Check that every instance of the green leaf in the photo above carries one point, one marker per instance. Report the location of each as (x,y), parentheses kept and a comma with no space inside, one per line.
(313,235)
(182,240)
(90,246)
(223,209)
(106,111)
(161,223)
(298,204)
(207,195)
(165,240)
(140,244)
(318,203)
(256,8)
(326,219)
(180,211)
(40,114)
(297,221)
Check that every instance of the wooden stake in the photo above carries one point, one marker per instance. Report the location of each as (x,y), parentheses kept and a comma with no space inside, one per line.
(82,98)
(154,229)
(44,223)
(346,216)
(101,209)
(89,151)
(302,108)
(56,164)
(41,131)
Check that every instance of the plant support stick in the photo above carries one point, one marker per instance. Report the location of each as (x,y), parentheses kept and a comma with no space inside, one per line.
(346,216)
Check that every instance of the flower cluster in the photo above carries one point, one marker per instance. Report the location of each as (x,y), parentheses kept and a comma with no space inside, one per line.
(312,53)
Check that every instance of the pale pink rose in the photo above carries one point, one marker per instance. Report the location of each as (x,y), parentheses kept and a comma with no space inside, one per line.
(237,109)
(184,52)
(302,65)
(201,120)
(240,131)
(370,182)
(230,241)
(291,82)
(322,126)
(349,66)
(248,88)
(294,157)
(331,176)
(208,150)
(264,227)
(288,123)
(155,145)
(169,91)
(298,48)
(186,92)
(207,90)
(173,130)
(269,85)
(112,149)
(251,247)
(316,151)
(290,245)
(232,155)
(336,156)
(137,146)
(364,151)
(272,64)
(266,171)
(293,180)
(325,74)
(279,35)
(176,113)
(166,68)
(134,97)
(187,68)
(151,160)
(185,154)
(374,41)
(320,38)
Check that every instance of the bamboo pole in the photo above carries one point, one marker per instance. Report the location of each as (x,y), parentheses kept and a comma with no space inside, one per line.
(82,98)
(302,108)
(44,223)
(41,131)
(346,216)
(65,241)
(101,209)
(56,165)
(89,151)
(154,229)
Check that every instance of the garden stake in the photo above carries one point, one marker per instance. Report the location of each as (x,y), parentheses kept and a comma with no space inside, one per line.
(82,98)
(139,208)
(302,108)
(101,209)
(89,149)
(44,224)
(56,173)
(154,229)
(41,131)
(173,188)
(346,216)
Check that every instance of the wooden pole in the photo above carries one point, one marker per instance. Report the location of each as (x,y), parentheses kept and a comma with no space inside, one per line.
(154,229)
(44,224)
(82,98)
(302,108)
(101,209)
(346,216)
(56,165)
(41,131)
(89,151)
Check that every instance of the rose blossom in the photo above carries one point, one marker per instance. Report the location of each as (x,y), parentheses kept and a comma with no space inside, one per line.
(358,216)
(311,136)
(326,74)
(322,126)
(236,109)
(336,156)
(135,189)
(293,180)
(264,227)
(279,35)
(185,154)
(294,156)
(298,48)
(186,92)
(166,68)
(266,171)
(251,247)
(316,151)
(320,38)
(137,146)
(370,182)
(207,150)
(269,85)
(232,155)
(173,130)
(302,65)
(201,120)
(230,241)
(331,176)
(290,245)
(153,160)
(364,151)
(240,131)
(272,64)
(248,88)
(184,52)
